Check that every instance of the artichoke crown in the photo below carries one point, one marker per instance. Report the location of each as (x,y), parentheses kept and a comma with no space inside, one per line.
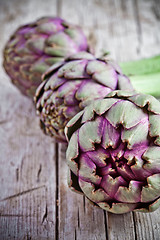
(69,86)
(113,152)
(34,47)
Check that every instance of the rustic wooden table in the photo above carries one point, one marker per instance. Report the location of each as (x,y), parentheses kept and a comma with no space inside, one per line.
(35,202)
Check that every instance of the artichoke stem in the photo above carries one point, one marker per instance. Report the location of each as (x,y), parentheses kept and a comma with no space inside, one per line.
(144,75)
(148,84)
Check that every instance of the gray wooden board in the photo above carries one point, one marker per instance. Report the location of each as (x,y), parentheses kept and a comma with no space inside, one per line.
(35,202)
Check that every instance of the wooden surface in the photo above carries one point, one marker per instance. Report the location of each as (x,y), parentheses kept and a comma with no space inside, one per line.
(35,202)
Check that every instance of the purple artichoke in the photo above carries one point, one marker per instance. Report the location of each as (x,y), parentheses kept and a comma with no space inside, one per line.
(114,152)
(72,84)
(36,46)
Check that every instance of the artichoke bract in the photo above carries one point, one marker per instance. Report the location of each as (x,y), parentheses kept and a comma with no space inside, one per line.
(114,152)
(72,84)
(36,46)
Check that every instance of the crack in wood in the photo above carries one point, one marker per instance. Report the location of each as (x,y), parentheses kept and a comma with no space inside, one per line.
(78,218)
(84,204)
(134,224)
(21,193)
(106,224)
(39,172)
(17,174)
(45,214)
(75,238)
(57,192)
(22,161)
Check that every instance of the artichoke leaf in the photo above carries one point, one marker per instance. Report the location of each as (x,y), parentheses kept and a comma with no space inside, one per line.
(118,208)
(72,153)
(99,106)
(120,113)
(154,128)
(136,135)
(152,190)
(94,195)
(131,194)
(87,170)
(90,133)
(142,100)
(103,73)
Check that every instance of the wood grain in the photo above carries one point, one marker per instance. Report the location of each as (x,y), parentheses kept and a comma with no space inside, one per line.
(35,202)
(27,174)
(78,218)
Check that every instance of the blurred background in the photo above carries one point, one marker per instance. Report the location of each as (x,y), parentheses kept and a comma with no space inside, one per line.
(115,25)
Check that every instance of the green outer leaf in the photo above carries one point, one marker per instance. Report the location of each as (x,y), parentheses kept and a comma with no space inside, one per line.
(39,67)
(155,127)
(73,69)
(152,190)
(90,133)
(129,194)
(58,52)
(89,89)
(102,73)
(110,136)
(152,158)
(72,181)
(121,93)
(124,83)
(136,135)
(99,106)
(118,208)
(120,113)
(89,190)
(87,170)
(142,100)
(51,70)
(70,127)
(151,207)
(81,55)
(72,152)
(154,205)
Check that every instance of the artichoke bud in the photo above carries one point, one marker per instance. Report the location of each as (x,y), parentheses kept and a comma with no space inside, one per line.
(113,152)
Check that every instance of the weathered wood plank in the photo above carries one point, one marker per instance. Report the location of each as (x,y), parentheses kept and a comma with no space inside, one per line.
(121,226)
(78,219)
(27,174)
(27,202)
(147,225)
(31,177)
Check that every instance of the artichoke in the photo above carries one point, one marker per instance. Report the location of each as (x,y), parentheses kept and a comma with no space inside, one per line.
(114,152)
(36,46)
(72,84)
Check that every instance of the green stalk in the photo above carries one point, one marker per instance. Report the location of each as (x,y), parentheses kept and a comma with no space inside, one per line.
(144,75)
